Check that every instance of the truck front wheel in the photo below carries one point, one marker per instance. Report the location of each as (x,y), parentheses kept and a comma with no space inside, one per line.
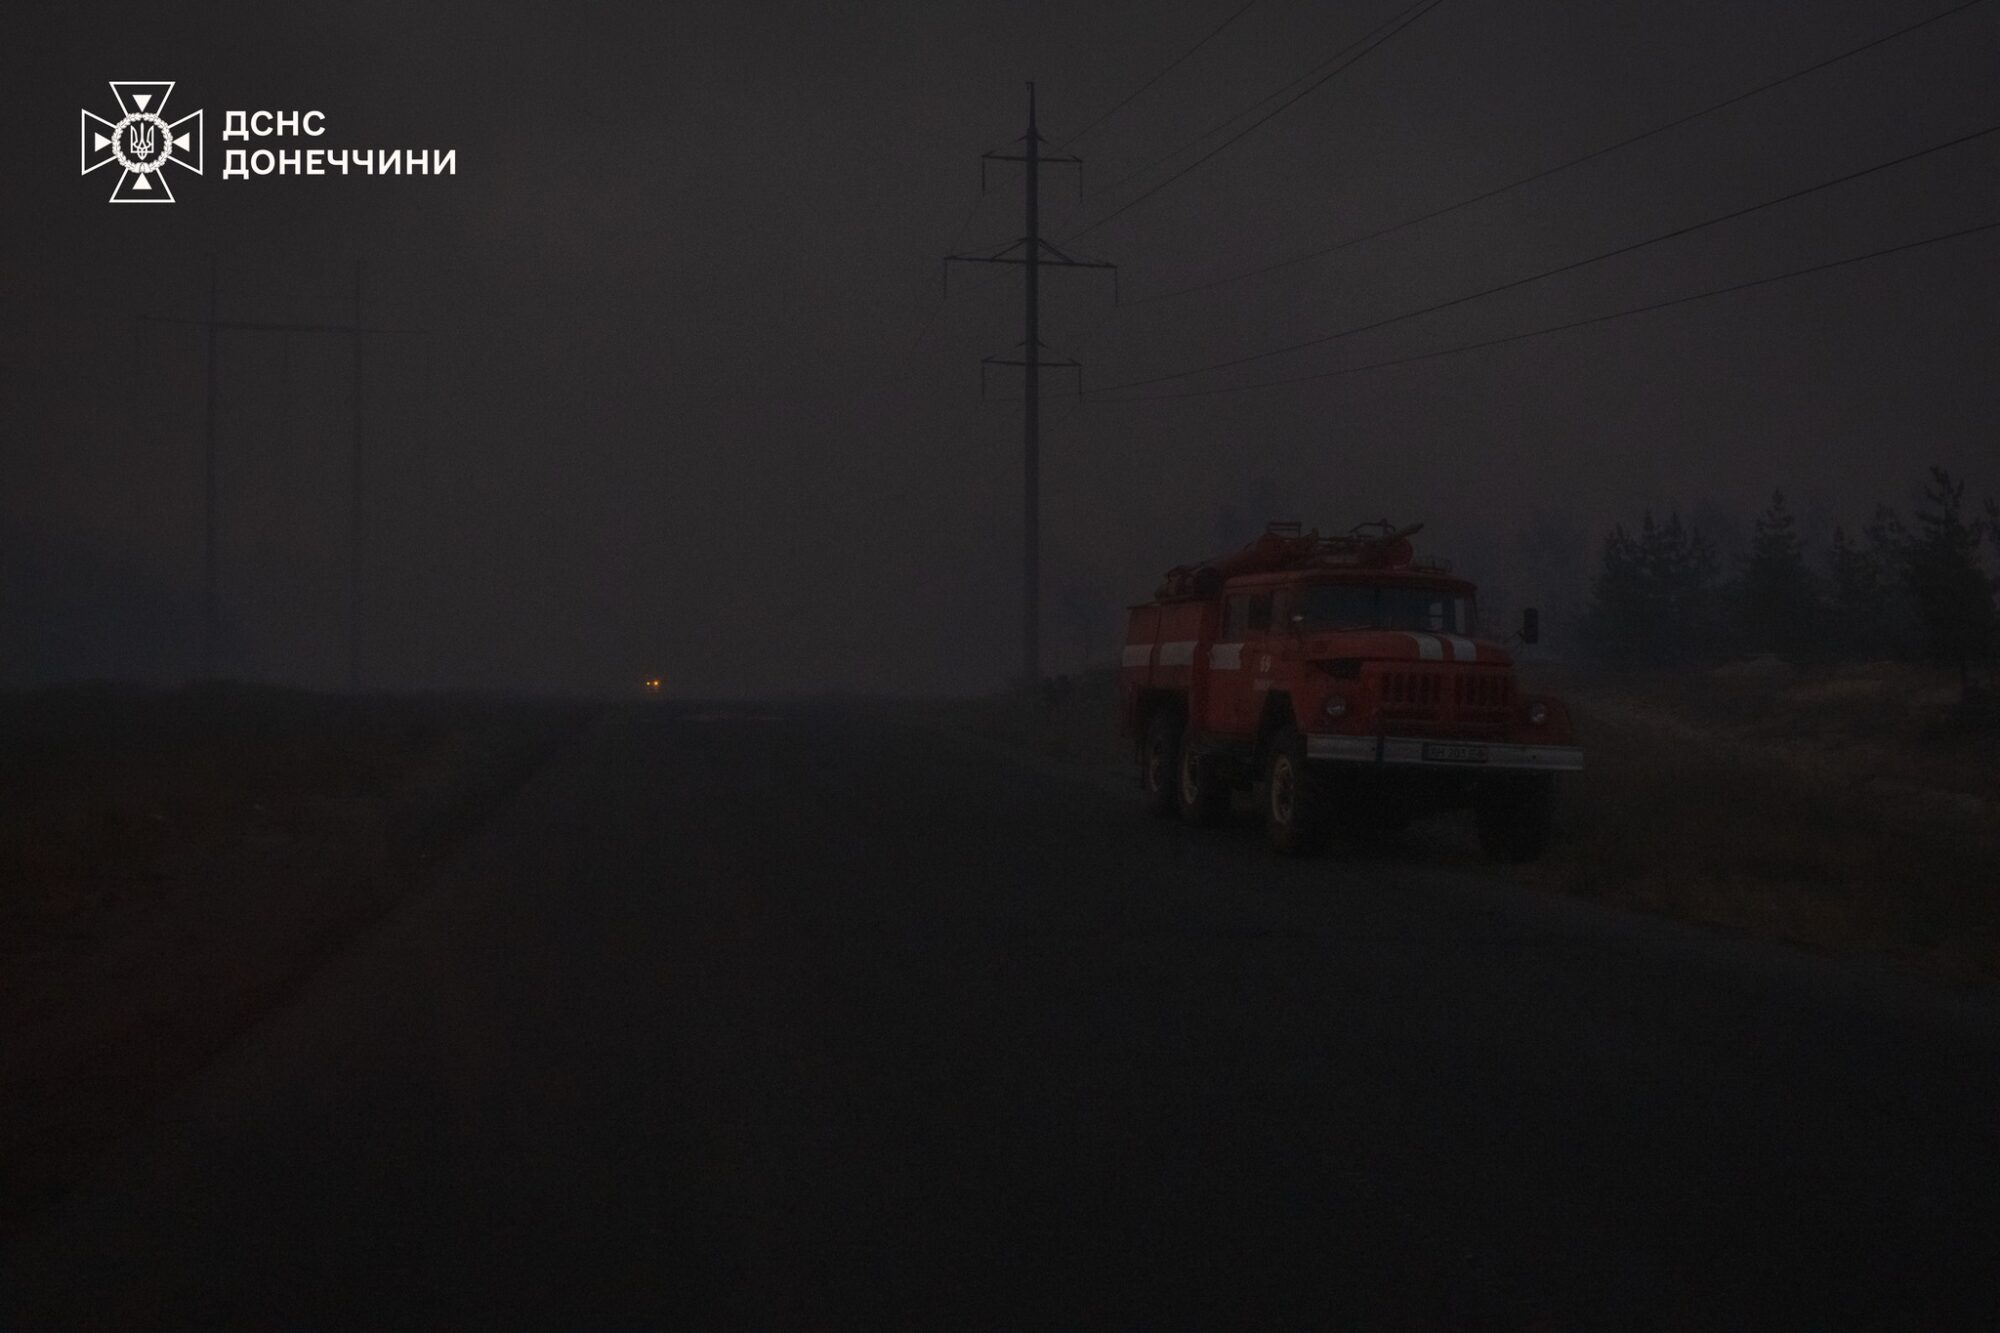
(1295,815)
(1517,817)
(1159,762)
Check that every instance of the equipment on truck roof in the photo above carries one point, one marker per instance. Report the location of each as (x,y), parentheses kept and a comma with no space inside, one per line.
(1378,545)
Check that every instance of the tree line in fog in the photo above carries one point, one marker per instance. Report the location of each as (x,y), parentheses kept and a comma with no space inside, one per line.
(1914,587)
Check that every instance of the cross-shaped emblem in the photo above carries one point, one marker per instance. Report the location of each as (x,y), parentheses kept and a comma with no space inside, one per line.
(142,141)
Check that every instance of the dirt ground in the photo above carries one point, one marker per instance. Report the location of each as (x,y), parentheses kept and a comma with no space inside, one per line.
(173,862)
(1854,809)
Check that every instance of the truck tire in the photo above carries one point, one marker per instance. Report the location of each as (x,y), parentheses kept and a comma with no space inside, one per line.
(1517,817)
(1203,798)
(1159,762)
(1295,814)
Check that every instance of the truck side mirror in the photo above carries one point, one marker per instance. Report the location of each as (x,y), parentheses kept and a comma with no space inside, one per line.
(1531,625)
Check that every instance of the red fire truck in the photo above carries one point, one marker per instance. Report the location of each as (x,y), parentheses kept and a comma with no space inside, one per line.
(1345,683)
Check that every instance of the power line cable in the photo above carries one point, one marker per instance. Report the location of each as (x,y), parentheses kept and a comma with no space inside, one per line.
(1249,110)
(1546,172)
(1569,267)
(1172,65)
(1572,324)
(1410,16)
(1216,128)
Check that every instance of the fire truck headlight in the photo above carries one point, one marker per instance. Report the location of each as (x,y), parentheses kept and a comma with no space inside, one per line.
(1336,707)
(1538,713)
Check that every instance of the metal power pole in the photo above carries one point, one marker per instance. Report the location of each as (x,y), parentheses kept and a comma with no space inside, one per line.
(210,613)
(1031,415)
(354,511)
(211,609)
(1031,252)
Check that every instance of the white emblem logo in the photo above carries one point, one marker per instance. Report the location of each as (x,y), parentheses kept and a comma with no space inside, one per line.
(142,141)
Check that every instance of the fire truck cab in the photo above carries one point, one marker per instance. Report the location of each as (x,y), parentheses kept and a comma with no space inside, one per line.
(1346,685)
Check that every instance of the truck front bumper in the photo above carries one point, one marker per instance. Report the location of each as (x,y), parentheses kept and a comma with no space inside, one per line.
(1465,756)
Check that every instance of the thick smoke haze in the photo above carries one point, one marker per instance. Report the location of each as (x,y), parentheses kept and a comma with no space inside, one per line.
(672,398)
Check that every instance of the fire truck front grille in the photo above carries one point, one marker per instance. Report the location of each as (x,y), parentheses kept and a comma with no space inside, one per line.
(1411,689)
(1412,696)
(1482,692)
(1450,699)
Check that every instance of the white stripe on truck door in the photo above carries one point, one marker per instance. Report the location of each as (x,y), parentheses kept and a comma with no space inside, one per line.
(1178,653)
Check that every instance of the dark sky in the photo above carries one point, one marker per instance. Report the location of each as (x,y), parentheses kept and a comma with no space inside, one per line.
(677,406)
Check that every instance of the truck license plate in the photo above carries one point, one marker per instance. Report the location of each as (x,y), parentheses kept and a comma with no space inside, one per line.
(1455,754)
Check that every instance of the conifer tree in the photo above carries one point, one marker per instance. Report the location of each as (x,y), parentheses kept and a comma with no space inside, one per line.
(1859,615)
(1948,581)
(1614,623)
(1776,604)
(1653,601)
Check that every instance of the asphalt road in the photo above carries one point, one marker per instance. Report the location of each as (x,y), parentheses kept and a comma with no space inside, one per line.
(815,1019)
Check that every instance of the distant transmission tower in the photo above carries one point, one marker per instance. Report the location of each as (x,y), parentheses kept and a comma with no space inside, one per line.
(211,615)
(1030,252)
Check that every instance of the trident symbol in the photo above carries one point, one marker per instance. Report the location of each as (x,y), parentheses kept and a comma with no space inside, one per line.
(141,142)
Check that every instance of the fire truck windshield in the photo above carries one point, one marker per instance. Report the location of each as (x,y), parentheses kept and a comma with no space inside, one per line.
(1332,606)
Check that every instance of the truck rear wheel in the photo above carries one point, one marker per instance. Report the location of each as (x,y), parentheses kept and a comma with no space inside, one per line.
(1204,800)
(1295,815)
(1159,762)
(1517,817)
